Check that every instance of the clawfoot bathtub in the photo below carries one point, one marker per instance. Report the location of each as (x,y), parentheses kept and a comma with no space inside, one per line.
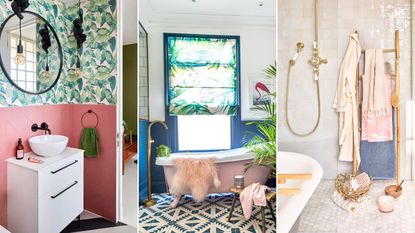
(229,164)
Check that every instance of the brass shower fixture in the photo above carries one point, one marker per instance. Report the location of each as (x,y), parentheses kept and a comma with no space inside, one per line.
(300,46)
(316,61)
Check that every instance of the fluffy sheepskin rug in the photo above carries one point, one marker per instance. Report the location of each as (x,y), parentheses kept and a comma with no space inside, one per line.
(194,176)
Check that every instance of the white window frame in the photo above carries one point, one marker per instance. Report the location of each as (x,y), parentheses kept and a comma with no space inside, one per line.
(224,144)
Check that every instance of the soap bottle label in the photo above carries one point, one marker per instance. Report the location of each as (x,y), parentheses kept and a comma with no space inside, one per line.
(20,154)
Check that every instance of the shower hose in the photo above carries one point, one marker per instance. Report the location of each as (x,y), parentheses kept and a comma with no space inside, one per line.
(290,65)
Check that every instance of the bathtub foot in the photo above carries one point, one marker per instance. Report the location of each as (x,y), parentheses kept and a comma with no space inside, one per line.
(263,218)
(272,211)
(232,208)
(175,202)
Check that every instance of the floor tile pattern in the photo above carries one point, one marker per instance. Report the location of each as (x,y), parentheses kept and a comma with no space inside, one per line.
(321,215)
(209,216)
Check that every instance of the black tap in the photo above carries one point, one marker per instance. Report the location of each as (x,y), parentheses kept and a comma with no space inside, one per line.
(43,126)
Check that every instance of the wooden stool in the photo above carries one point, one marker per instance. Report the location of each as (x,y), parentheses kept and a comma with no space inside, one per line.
(269,196)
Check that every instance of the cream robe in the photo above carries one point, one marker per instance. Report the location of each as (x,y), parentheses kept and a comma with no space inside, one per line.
(345,102)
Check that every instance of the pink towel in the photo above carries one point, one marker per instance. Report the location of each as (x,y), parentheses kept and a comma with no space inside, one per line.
(379,128)
(253,194)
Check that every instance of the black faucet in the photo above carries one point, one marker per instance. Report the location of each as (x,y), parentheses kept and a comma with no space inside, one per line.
(43,126)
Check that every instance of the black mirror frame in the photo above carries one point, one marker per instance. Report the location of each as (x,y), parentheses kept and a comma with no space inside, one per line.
(59,48)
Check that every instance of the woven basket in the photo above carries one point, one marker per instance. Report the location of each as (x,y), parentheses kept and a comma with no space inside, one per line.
(345,190)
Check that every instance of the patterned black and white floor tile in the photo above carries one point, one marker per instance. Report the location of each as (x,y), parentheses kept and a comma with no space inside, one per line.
(209,216)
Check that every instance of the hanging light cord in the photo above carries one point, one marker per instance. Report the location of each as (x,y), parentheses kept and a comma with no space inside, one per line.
(20,32)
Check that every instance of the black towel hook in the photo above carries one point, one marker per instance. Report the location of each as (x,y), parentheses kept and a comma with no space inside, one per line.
(89,111)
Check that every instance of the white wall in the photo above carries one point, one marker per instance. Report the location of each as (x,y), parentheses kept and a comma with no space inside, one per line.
(257,50)
(376,22)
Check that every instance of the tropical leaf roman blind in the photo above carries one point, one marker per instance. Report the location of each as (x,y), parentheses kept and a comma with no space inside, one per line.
(202,74)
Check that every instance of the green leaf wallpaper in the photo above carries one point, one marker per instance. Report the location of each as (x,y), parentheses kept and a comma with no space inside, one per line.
(97,83)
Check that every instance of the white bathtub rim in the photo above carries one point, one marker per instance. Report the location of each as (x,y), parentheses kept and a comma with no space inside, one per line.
(225,156)
(295,204)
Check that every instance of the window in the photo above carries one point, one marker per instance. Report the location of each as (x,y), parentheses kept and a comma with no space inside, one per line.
(204,132)
(24,75)
(202,74)
(202,83)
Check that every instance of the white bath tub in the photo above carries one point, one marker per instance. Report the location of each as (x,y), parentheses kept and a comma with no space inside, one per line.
(229,164)
(290,207)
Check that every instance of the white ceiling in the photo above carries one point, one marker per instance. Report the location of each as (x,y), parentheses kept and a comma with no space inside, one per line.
(215,7)
(243,12)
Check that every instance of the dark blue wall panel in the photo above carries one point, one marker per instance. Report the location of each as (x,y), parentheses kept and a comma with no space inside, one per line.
(142,161)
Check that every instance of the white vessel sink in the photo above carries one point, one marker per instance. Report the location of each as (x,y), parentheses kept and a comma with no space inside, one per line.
(48,145)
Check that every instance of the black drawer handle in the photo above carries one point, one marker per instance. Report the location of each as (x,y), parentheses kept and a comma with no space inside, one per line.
(57,195)
(60,169)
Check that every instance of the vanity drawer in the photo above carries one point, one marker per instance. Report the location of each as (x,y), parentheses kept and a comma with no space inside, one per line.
(58,176)
(55,212)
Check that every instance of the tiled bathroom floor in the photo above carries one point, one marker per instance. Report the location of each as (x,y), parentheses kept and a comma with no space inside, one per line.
(209,216)
(321,215)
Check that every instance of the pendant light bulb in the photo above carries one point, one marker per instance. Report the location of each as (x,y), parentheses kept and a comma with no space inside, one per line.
(19,59)
(46,73)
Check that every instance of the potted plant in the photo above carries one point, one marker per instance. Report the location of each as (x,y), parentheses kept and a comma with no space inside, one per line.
(264,142)
(163,151)
(126,131)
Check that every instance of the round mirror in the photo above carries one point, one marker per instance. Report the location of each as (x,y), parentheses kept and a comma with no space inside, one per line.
(30,53)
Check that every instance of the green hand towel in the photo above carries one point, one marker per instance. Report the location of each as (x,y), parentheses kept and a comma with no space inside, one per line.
(89,142)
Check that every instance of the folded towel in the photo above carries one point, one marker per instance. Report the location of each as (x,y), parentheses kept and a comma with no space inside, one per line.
(351,205)
(89,142)
(253,194)
(375,100)
(361,180)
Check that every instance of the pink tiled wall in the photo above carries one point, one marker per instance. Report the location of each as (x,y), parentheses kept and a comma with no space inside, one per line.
(100,173)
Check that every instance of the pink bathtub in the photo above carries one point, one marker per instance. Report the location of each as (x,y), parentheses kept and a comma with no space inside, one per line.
(230,163)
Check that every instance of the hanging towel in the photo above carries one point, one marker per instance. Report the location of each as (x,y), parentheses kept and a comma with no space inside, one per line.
(253,194)
(375,100)
(378,158)
(378,128)
(345,102)
(89,142)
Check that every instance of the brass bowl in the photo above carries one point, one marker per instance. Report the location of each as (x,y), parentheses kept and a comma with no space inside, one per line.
(391,191)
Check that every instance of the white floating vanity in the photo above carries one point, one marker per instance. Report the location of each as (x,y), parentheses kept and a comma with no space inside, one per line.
(46,197)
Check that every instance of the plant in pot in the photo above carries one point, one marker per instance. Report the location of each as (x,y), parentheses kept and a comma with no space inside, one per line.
(163,151)
(263,143)
(126,131)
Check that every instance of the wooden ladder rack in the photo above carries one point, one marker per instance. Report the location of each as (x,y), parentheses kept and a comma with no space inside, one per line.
(397,106)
